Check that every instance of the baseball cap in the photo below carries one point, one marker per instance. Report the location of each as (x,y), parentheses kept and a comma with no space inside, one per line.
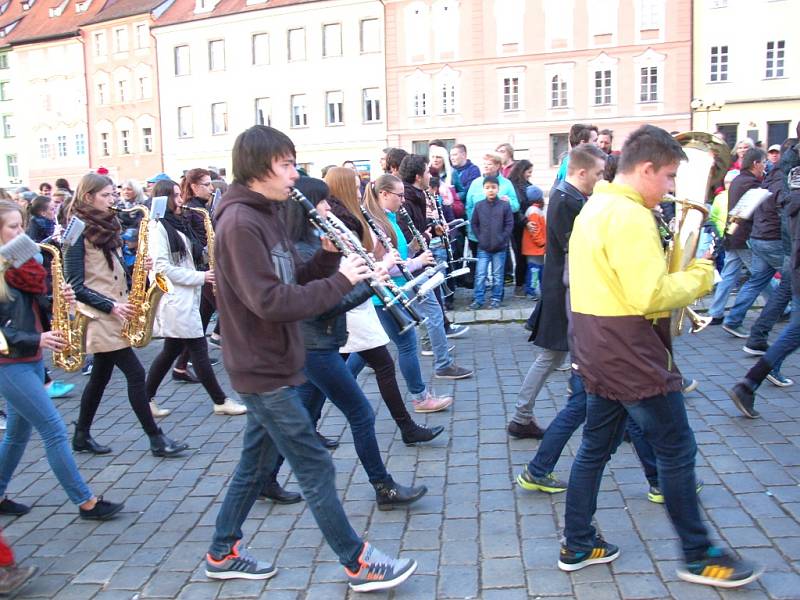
(159,177)
(775,147)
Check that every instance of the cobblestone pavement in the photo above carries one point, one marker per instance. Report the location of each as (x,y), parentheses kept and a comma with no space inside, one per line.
(475,535)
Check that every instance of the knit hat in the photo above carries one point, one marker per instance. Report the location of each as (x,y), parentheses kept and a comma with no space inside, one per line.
(534,193)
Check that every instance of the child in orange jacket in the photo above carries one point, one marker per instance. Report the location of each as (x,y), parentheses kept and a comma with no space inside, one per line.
(534,241)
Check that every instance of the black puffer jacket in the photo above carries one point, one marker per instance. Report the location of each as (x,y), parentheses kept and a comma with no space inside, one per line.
(18,322)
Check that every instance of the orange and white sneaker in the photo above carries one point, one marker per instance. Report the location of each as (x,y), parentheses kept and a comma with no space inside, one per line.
(430,403)
(377,571)
(238,565)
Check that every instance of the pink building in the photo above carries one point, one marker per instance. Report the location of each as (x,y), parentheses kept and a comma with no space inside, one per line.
(517,71)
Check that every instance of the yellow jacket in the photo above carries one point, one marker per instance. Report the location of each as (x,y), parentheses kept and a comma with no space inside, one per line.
(621,295)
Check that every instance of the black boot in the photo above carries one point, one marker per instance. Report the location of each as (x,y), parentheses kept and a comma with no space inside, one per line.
(83,442)
(273,491)
(414,434)
(389,494)
(163,447)
(328,443)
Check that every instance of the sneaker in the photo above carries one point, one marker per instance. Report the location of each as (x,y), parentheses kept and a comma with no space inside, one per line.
(776,378)
(494,304)
(534,297)
(756,349)
(528,431)
(14,509)
(739,331)
(456,330)
(475,306)
(58,390)
(603,552)
(547,483)
(431,403)
(720,569)
(239,564)
(87,369)
(184,376)
(744,398)
(230,407)
(453,372)
(716,321)
(212,361)
(655,495)
(157,412)
(377,571)
(427,349)
(689,385)
(215,342)
(103,510)
(14,577)
(519,292)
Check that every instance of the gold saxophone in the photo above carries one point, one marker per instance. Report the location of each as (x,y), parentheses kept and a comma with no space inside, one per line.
(209,227)
(143,297)
(71,358)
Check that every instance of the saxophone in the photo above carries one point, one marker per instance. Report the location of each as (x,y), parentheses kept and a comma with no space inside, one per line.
(143,297)
(71,358)
(209,227)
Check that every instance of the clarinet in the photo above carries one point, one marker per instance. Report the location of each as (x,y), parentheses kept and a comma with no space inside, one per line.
(442,224)
(421,242)
(385,241)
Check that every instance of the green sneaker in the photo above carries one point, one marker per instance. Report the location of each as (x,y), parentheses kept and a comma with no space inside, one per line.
(603,552)
(655,495)
(547,483)
(720,569)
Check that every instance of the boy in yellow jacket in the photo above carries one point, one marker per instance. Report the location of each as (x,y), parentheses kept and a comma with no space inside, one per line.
(621,298)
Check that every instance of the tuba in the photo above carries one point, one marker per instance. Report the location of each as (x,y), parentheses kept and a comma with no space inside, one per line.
(143,297)
(71,358)
(708,161)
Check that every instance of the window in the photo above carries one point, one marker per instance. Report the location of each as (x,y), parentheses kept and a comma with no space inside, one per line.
(299,111)
(558,92)
(559,144)
(372,105)
(602,87)
(216,55)
(648,84)
(420,103)
(99,39)
(3,61)
(775,54)
(219,118)
(650,14)
(80,144)
(125,141)
(61,145)
(332,39)
(182,66)
(5,90)
(370,36)
(122,90)
(142,37)
(185,125)
(297,44)
(719,63)
(121,39)
(147,139)
(44,148)
(263,111)
(8,126)
(11,166)
(334,105)
(447,97)
(511,93)
(143,87)
(101,93)
(105,149)
(260,45)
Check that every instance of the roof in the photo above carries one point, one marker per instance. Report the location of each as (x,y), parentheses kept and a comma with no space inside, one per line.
(37,25)
(13,12)
(182,11)
(119,9)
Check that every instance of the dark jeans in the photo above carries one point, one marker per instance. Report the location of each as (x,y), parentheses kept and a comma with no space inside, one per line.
(208,304)
(773,310)
(277,422)
(665,426)
(767,259)
(128,363)
(198,351)
(520,264)
(788,341)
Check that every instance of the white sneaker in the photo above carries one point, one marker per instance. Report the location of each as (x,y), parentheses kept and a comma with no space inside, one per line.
(158,412)
(230,407)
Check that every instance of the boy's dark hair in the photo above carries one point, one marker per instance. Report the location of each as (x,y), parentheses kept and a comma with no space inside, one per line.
(579,132)
(491,179)
(461,147)
(394,157)
(584,157)
(411,166)
(751,157)
(585,135)
(607,132)
(649,144)
(255,149)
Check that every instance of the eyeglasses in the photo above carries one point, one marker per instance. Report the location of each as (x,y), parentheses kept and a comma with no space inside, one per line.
(395,194)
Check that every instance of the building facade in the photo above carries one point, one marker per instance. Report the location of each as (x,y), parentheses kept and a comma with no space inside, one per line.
(13,167)
(746,83)
(483,73)
(314,70)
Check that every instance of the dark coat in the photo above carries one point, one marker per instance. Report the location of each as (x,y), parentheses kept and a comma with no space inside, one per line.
(18,322)
(414,201)
(492,223)
(463,177)
(742,183)
(793,213)
(767,217)
(549,319)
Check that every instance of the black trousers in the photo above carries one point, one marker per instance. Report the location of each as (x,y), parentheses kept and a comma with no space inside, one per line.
(197,348)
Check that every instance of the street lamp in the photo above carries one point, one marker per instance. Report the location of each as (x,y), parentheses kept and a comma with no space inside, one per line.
(706,106)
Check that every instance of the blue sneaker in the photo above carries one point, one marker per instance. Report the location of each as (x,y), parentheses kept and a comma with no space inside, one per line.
(239,564)
(59,390)
(377,571)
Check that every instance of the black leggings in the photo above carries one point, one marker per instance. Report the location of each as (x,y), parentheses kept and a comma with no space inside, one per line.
(197,348)
(381,362)
(104,363)
(208,305)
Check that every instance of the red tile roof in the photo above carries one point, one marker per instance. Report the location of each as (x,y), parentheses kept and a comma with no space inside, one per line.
(37,25)
(118,9)
(12,14)
(182,11)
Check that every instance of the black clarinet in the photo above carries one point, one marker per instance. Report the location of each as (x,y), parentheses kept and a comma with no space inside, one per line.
(421,241)
(385,241)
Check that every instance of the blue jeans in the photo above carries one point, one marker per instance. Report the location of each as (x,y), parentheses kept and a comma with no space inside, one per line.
(774,308)
(429,307)
(407,356)
(788,341)
(533,275)
(734,261)
(277,422)
(329,376)
(767,260)
(663,422)
(498,261)
(29,406)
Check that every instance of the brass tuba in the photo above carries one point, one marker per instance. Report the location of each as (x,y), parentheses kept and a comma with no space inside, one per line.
(708,161)
(143,297)
(71,358)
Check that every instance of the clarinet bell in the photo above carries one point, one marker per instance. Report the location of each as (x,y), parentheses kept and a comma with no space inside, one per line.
(401,317)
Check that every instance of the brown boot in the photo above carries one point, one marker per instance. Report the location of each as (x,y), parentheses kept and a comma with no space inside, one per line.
(13,578)
(531,430)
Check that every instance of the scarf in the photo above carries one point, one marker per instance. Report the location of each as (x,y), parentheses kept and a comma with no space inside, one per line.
(179,223)
(31,277)
(102,229)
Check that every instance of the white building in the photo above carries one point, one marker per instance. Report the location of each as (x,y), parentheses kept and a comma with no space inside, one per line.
(314,70)
(746,75)
(11,172)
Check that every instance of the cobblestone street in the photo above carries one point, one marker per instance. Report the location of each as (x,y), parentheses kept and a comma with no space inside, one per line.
(475,535)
